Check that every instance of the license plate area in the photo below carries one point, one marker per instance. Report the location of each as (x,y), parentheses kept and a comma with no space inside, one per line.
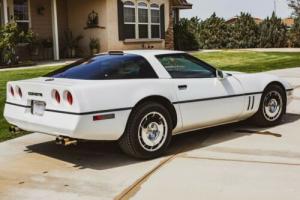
(38,108)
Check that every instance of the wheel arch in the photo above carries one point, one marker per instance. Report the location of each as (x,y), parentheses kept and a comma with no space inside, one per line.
(278,83)
(161,100)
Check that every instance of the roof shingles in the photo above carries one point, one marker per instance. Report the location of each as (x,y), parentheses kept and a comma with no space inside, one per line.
(182,4)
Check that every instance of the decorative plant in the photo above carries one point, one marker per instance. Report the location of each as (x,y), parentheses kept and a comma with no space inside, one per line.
(10,36)
(34,43)
(94,45)
(72,43)
(47,43)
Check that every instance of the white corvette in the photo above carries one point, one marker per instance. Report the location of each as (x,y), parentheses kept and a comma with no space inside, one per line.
(142,98)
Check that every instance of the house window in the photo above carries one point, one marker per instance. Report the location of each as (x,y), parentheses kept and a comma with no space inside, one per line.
(155,21)
(141,20)
(129,20)
(21,14)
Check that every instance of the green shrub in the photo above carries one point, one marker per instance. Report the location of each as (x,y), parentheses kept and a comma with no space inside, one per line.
(294,34)
(185,34)
(273,33)
(11,36)
(213,33)
(244,32)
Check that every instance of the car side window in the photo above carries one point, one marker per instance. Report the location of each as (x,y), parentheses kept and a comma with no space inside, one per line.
(107,67)
(186,66)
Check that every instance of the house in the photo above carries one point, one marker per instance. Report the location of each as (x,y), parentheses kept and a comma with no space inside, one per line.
(234,20)
(118,24)
(289,22)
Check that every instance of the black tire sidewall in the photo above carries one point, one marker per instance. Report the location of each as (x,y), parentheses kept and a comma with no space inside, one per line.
(260,117)
(133,127)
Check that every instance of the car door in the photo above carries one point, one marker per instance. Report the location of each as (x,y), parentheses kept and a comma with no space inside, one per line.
(203,98)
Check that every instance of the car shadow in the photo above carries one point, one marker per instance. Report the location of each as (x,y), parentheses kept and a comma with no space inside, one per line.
(107,155)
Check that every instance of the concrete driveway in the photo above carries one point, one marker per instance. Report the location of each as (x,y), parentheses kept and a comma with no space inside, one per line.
(229,162)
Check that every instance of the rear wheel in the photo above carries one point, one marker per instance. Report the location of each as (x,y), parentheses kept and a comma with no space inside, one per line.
(148,132)
(272,107)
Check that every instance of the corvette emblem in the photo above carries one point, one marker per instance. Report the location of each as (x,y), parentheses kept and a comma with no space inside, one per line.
(35,94)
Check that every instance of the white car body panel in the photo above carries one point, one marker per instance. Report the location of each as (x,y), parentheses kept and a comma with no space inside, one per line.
(197,111)
(206,102)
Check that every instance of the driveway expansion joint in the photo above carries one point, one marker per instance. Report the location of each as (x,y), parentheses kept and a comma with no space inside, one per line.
(134,188)
(236,160)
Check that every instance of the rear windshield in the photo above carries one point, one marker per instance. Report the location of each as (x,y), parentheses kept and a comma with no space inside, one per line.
(107,67)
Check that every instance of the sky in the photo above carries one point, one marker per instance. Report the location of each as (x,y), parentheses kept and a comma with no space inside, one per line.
(230,8)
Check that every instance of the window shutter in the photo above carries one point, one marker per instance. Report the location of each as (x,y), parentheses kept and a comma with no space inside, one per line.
(162,21)
(121,19)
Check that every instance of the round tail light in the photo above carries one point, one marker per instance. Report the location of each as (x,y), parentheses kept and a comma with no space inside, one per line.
(12,92)
(57,96)
(69,98)
(20,92)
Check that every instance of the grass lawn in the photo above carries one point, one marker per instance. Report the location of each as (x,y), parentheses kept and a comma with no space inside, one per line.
(246,61)
(226,60)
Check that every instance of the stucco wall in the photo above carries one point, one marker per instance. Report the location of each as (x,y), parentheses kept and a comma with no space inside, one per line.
(73,14)
(112,28)
(62,17)
(78,11)
(41,24)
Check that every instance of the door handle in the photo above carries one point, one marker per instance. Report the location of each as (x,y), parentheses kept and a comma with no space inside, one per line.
(182,87)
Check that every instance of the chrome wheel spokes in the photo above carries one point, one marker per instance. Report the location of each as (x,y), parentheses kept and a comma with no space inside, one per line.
(153,131)
(272,105)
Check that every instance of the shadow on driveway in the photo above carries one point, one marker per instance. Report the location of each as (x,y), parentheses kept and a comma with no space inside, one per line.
(107,155)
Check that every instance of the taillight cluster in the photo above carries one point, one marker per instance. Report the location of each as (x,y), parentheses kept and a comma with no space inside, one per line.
(15,91)
(57,96)
(67,97)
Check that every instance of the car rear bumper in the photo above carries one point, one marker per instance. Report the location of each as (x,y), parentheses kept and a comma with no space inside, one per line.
(70,125)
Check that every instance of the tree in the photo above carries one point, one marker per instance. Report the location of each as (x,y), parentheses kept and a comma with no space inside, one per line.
(295,5)
(186,34)
(245,31)
(213,33)
(273,33)
(294,35)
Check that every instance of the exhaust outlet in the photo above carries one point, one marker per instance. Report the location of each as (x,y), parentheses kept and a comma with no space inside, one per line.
(65,141)
(69,141)
(14,129)
(59,140)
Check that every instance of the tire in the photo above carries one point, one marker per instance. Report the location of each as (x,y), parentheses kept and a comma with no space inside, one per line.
(148,132)
(272,107)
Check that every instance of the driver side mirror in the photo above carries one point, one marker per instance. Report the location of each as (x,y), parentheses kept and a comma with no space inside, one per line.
(221,75)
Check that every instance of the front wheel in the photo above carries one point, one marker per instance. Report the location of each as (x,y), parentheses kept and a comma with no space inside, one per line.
(272,107)
(148,132)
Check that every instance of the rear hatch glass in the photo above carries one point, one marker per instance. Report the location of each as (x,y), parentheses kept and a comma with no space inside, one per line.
(107,67)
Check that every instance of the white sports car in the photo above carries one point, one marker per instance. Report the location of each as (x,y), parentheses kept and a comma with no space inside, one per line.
(141,98)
